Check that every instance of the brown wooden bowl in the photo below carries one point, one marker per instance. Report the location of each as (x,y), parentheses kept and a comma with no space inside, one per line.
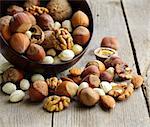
(26,64)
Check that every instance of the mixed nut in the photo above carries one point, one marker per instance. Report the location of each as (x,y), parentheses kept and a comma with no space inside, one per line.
(43,34)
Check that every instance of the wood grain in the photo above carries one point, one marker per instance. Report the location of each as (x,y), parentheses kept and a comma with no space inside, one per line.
(108,21)
(138,18)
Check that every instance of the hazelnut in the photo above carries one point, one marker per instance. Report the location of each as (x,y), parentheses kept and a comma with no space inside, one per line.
(97,63)
(113,61)
(20,23)
(81,35)
(106,86)
(99,91)
(79,18)
(51,52)
(59,9)
(4,27)
(82,86)
(48,60)
(67,24)
(110,42)
(92,80)
(32,18)
(137,81)
(13,75)
(92,69)
(45,21)
(35,52)
(13,9)
(19,42)
(88,96)
(107,102)
(37,77)
(38,91)
(5,66)
(24,84)
(9,88)
(57,25)
(16,96)
(67,88)
(37,34)
(77,49)
(66,55)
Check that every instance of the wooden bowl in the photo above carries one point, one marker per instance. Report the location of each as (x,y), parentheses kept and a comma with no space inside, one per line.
(26,64)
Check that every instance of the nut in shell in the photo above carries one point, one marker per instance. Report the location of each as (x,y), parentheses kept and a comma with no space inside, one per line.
(76,71)
(5,66)
(17,96)
(56,103)
(9,88)
(66,55)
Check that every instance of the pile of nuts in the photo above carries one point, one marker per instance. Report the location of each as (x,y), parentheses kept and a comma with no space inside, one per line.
(48,35)
(99,82)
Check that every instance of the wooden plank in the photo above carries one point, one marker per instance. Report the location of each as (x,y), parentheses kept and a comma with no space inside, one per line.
(138,18)
(108,20)
(22,114)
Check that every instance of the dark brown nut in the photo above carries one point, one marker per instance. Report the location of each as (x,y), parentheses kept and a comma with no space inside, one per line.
(67,88)
(97,63)
(81,35)
(38,90)
(76,79)
(92,80)
(123,71)
(45,21)
(59,9)
(35,52)
(110,42)
(76,71)
(113,61)
(20,23)
(19,42)
(29,3)
(32,18)
(127,93)
(56,103)
(4,27)
(88,97)
(116,91)
(52,83)
(36,10)
(13,75)
(79,18)
(137,81)
(13,9)
(90,70)
(37,34)
(107,102)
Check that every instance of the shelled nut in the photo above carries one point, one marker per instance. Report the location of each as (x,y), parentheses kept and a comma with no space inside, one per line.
(9,88)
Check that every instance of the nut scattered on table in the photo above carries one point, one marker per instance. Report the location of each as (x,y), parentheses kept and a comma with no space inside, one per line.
(37,77)
(24,84)
(137,81)
(56,103)
(9,88)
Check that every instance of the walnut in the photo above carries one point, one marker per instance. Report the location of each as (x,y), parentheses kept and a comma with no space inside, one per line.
(123,71)
(53,82)
(36,10)
(56,103)
(62,39)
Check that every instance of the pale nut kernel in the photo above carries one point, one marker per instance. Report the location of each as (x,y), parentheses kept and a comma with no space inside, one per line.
(17,96)
(37,77)
(57,25)
(66,55)
(67,24)
(113,84)
(48,60)
(29,34)
(57,60)
(77,49)
(24,84)
(82,86)
(9,88)
(99,91)
(5,66)
(106,86)
(51,52)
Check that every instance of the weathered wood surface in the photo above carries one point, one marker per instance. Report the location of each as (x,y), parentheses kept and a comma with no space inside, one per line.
(108,21)
(138,18)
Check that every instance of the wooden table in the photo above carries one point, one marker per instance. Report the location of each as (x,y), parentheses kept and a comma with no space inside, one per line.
(129,20)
